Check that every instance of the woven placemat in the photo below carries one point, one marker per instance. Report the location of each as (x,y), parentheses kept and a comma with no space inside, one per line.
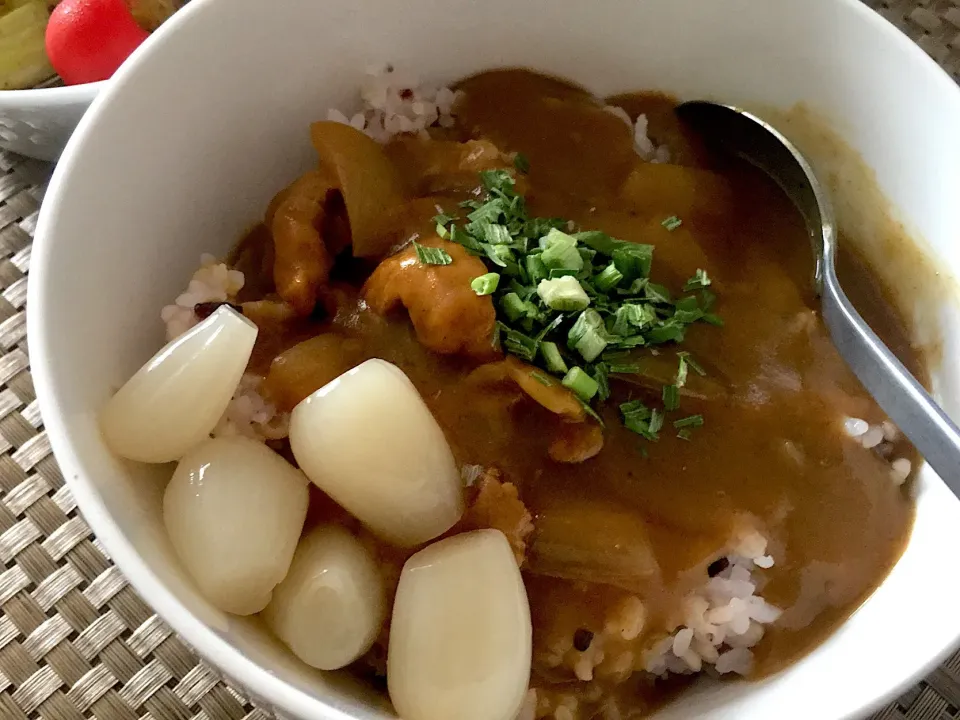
(933,24)
(76,641)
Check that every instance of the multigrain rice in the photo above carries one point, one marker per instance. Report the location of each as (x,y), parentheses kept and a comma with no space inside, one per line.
(721,620)
(880,439)
(393,102)
(248,413)
(213,281)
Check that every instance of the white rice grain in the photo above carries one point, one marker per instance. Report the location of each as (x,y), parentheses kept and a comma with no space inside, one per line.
(855,427)
(394,102)
(681,641)
(900,470)
(249,415)
(872,437)
(737,660)
(644,146)
(213,281)
(724,619)
(891,432)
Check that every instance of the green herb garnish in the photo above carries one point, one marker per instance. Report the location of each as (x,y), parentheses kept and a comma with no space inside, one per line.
(671,397)
(698,281)
(431,255)
(579,305)
(581,383)
(552,358)
(672,223)
(485,284)
(564,294)
(521,163)
(639,418)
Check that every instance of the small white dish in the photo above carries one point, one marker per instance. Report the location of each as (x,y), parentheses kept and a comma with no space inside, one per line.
(38,122)
(139,194)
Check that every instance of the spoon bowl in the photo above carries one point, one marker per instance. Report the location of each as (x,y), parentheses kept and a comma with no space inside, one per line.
(744,135)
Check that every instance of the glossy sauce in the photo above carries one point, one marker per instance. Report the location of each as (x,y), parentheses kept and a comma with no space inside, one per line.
(774,398)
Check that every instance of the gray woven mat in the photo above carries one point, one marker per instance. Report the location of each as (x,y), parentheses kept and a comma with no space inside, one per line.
(934,24)
(76,641)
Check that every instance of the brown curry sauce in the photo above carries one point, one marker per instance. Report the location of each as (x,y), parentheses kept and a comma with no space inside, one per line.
(773,400)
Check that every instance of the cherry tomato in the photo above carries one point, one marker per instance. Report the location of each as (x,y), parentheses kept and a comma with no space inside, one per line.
(87,40)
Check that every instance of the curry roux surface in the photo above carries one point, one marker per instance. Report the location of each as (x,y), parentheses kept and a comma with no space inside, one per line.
(775,393)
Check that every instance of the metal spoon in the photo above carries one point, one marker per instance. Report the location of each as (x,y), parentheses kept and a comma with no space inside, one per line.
(897,392)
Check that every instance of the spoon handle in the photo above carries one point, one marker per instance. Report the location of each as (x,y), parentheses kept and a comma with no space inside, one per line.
(897,392)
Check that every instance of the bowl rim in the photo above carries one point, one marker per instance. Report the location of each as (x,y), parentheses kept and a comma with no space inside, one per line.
(59,95)
(263,686)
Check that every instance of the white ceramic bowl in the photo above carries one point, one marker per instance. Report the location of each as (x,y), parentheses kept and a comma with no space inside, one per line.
(139,195)
(37,123)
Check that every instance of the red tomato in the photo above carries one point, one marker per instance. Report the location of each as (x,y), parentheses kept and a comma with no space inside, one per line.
(87,40)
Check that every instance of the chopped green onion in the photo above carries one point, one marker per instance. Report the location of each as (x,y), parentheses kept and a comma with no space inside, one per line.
(637,288)
(513,307)
(587,254)
(633,341)
(707,299)
(485,284)
(687,311)
(538,227)
(656,421)
(588,286)
(632,317)
(560,251)
(499,254)
(689,422)
(666,333)
(550,327)
(516,343)
(497,182)
(657,293)
(671,397)
(635,409)
(563,294)
(698,281)
(535,268)
(599,241)
(712,319)
(553,358)
(588,335)
(521,163)
(466,240)
(524,291)
(684,434)
(601,375)
(638,418)
(681,378)
(493,233)
(431,255)
(633,260)
(697,368)
(581,383)
(608,278)
(488,212)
